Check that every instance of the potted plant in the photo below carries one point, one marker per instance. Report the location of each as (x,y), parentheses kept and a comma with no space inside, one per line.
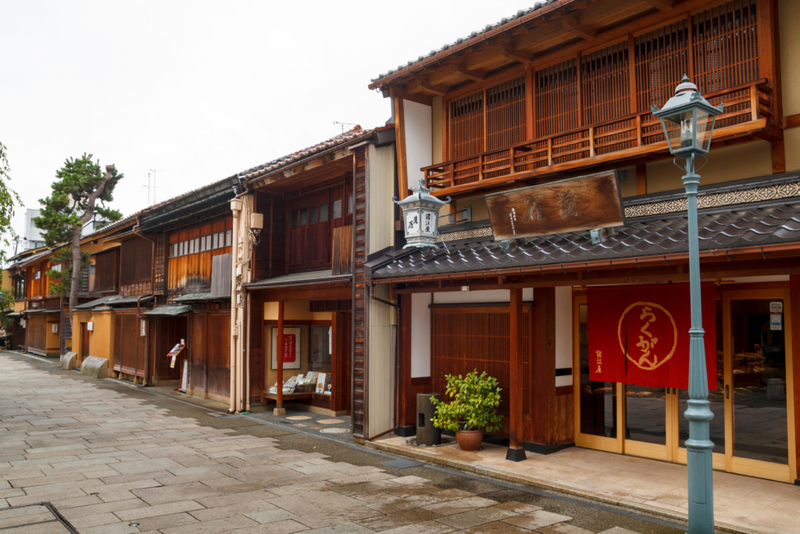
(472,408)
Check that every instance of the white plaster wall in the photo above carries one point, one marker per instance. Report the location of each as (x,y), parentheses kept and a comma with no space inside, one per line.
(420,335)
(495,295)
(418,140)
(563,333)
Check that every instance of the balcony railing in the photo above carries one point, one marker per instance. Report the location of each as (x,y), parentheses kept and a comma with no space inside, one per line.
(747,108)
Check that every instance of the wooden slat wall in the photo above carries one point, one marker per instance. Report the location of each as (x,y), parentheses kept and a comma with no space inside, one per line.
(198,355)
(129,346)
(478,338)
(359,298)
(160,267)
(221,278)
(136,260)
(342,250)
(37,332)
(218,343)
(106,270)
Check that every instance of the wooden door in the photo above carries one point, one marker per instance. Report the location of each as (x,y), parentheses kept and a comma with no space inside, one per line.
(218,340)
(85,336)
(341,361)
(198,369)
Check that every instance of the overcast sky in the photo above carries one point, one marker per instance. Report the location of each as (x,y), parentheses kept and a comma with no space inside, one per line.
(200,90)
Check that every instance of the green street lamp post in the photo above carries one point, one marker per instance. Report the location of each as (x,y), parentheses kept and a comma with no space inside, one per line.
(688,122)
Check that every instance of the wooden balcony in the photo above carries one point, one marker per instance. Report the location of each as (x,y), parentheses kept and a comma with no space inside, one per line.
(747,111)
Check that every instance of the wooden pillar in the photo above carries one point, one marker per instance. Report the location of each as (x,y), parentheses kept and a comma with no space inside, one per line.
(279,409)
(543,362)
(641,179)
(515,451)
(794,306)
(400,145)
(405,418)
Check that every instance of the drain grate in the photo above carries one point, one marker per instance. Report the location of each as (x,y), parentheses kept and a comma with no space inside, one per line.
(401,464)
(31,516)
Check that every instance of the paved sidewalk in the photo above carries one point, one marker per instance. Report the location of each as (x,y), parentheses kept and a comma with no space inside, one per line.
(741,503)
(111,462)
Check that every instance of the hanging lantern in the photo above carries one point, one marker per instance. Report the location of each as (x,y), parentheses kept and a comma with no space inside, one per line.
(688,120)
(421,216)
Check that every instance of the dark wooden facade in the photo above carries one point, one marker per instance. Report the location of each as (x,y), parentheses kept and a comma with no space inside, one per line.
(136,267)
(209,352)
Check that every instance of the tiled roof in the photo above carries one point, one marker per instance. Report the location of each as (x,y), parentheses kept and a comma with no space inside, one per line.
(351,135)
(767,223)
(299,279)
(467,41)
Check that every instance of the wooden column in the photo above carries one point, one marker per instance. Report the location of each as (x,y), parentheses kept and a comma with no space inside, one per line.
(406,419)
(279,409)
(515,451)
(400,145)
(641,179)
(543,361)
(794,306)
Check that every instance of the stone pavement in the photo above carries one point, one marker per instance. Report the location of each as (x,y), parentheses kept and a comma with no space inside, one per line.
(110,463)
(741,503)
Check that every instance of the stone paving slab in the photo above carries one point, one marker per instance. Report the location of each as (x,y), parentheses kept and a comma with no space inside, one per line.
(112,463)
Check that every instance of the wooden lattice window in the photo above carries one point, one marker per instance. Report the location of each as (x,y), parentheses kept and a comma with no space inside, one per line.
(661,61)
(725,46)
(605,84)
(505,114)
(557,98)
(466,126)
(492,118)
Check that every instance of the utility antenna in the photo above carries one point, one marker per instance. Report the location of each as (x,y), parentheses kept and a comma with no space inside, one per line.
(149,186)
(343,124)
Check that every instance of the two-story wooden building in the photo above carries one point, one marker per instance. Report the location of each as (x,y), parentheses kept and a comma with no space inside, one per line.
(564,90)
(163,279)
(305,228)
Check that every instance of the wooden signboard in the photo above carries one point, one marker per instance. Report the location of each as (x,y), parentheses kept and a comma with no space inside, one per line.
(584,203)
(173,354)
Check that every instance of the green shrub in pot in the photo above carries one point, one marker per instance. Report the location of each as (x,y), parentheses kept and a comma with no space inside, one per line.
(473,403)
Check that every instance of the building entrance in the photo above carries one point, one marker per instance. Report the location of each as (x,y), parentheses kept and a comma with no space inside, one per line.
(753,425)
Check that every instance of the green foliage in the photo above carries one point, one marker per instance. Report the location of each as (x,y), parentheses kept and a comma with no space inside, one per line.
(8,199)
(75,182)
(6,306)
(473,404)
(61,280)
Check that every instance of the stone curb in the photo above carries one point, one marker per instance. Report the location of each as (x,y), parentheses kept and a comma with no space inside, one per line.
(653,511)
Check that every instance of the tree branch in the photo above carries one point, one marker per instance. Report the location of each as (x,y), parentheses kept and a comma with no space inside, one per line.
(101,189)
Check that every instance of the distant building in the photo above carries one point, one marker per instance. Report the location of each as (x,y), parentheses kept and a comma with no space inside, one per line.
(32,237)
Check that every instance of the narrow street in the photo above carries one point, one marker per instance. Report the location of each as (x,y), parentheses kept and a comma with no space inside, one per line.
(89,456)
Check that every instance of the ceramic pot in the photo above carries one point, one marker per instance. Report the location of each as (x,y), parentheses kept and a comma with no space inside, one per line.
(469,440)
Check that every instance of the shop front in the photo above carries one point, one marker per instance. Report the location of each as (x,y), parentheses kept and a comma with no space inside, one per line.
(604,320)
(753,429)
(304,341)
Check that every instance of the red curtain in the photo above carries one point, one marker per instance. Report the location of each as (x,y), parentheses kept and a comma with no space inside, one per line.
(650,325)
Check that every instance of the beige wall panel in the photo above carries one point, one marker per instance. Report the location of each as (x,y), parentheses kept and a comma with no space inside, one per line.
(101,339)
(381,368)
(381,191)
(791,140)
(628,186)
(479,210)
(436,128)
(53,340)
(789,17)
(294,310)
(725,164)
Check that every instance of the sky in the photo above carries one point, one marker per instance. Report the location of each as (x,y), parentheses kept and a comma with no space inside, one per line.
(196,91)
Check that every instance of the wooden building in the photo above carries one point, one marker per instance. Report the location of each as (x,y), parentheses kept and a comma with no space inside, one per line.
(306,226)
(163,280)
(564,90)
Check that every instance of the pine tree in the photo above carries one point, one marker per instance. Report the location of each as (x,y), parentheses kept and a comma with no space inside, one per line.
(8,199)
(78,187)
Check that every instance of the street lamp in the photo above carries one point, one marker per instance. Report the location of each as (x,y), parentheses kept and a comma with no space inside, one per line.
(688,122)
(421,217)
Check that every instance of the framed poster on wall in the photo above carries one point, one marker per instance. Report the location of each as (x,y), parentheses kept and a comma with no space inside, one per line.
(292,336)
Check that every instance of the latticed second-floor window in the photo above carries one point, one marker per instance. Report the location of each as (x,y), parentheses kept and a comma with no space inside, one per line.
(717,47)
